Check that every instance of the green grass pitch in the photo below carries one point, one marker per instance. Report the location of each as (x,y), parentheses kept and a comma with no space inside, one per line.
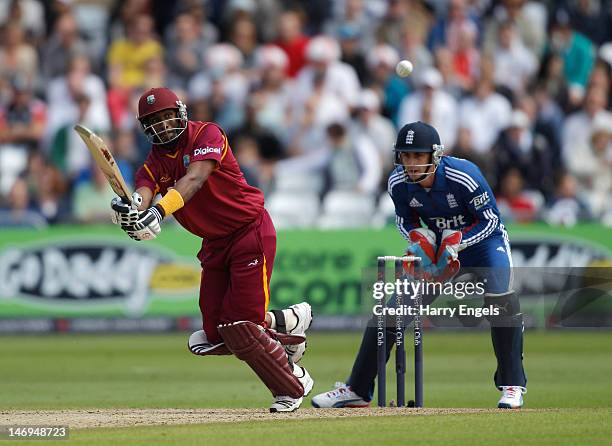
(569,399)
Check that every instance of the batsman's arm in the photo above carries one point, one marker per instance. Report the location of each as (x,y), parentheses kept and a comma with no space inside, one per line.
(186,187)
(197,174)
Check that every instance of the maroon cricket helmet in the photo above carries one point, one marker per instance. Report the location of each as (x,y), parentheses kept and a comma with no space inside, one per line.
(158,99)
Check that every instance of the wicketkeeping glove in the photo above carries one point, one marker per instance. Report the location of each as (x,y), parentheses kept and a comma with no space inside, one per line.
(125,214)
(423,245)
(447,257)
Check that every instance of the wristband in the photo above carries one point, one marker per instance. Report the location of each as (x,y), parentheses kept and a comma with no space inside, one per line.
(171,202)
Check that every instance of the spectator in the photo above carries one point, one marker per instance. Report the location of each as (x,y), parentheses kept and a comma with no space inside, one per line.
(514,205)
(514,63)
(375,127)
(243,36)
(351,51)
(466,57)
(446,31)
(485,113)
(91,198)
(432,105)
(247,154)
(593,169)
(17,57)
(554,83)
(23,120)
(310,121)
(464,148)
(354,15)
(455,85)
(273,91)
(292,40)
(577,53)
(268,146)
(63,90)
(412,47)
(128,57)
(224,84)
(22,123)
(578,127)
(567,207)
(590,18)
(20,211)
(29,14)
(392,89)
(353,162)
(63,45)
(186,45)
(391,26)
(68,153)
(529,17)
(518,147)
(338,78)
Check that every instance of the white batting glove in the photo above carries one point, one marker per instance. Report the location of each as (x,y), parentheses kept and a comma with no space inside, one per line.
(125,214)
(148,225)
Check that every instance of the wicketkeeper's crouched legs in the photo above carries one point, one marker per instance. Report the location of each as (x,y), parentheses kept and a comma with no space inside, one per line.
(507,337)
(363,374)
(364,370)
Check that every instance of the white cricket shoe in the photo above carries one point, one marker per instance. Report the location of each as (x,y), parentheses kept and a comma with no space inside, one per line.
(341,396)
(302,315)
(512,397)
(288,404)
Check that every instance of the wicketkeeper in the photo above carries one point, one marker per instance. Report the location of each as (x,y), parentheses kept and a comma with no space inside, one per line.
(462,228)
(192,166)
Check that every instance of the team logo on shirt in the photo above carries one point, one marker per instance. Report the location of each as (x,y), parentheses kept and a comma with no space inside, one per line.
(452,202)
(409,136)
(414,203)
(480,200)
(185,160)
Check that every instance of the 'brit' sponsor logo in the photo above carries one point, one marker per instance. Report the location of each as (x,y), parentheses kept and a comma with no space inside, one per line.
(449,223)
(480,200)
(206,150)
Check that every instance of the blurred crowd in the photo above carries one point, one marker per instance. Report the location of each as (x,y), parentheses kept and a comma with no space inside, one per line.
(308,95)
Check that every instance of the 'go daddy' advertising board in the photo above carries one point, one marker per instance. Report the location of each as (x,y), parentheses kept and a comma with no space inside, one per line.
(97,271)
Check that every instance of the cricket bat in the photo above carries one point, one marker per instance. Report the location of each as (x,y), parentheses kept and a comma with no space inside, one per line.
(105,161)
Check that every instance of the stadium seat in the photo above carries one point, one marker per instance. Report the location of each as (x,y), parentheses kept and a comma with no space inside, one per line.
(385,211)
(346,209)
(293,209)
(298,182)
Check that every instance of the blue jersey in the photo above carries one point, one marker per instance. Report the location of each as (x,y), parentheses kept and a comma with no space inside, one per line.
(460,199)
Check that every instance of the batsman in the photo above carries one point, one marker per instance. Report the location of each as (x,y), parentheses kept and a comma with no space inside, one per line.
(446,211)
(192,167)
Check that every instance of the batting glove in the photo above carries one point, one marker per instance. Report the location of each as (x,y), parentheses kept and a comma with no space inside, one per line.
(125,214)
(148,225)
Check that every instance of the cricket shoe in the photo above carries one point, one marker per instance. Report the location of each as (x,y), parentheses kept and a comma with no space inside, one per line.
(288,404)
(512,397)
(294,320)
(341,396)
